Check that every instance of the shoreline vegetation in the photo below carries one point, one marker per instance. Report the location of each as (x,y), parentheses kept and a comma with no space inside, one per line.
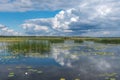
(60,39)
(42,45)
(31,46)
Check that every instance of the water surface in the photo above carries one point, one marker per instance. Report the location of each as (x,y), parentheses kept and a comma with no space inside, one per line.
(60,61)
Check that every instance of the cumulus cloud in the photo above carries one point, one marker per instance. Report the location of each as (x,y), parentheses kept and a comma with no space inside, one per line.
(5,31)
(16,5)
(37,26)
(28,5)
(1,26)
(90,18)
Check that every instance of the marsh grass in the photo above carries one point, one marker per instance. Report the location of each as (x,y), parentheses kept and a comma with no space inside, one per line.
(104,40)
(108,41)
(56,40)
(61,39)
(78,41)
(31,46)
(50,39)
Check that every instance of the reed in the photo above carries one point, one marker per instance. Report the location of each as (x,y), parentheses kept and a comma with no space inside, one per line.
(108,41)
(78,41)
(61,39)
(56,40)
(29,47)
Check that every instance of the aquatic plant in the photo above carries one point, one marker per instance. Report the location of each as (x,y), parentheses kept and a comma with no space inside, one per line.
(30,46)
(11,74)
(108,41)
(62,79)
(56,40)
(78,40)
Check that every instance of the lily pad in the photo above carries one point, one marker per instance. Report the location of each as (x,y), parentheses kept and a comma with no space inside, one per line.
(11,74)
(62,79)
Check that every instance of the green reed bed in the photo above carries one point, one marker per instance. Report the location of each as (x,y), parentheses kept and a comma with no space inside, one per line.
(50,39)
(78,41)
(56,40)
(29,47)
(104,40)
(108,41)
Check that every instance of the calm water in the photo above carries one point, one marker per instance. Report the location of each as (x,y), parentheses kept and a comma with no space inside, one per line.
(63,61)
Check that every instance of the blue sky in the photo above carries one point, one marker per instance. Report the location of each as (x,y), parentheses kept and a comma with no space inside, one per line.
(14,19)
(96,18)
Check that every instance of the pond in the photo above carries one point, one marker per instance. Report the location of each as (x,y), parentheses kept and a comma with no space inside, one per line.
(67,60)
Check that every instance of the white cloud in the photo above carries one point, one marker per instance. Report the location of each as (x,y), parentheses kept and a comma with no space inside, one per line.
(1,26)
(63,19)
(99,33)
(81,17)
(28,5)
(90,18)
(37,26)
(16,5)
(103,10)
(43,28)
(5,31)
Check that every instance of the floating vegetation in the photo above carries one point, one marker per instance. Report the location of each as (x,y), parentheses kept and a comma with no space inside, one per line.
(30,58)
(29,67)
(39,72)
(8,57)
(11,74)
(35,70)
(108,74)
(9,69)
(77,79)
(32,70)
(103,53)
(112,79)
(99,47)
(62,79)
(18,67)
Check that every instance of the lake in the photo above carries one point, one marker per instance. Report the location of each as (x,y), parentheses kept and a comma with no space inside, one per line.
(68,60)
